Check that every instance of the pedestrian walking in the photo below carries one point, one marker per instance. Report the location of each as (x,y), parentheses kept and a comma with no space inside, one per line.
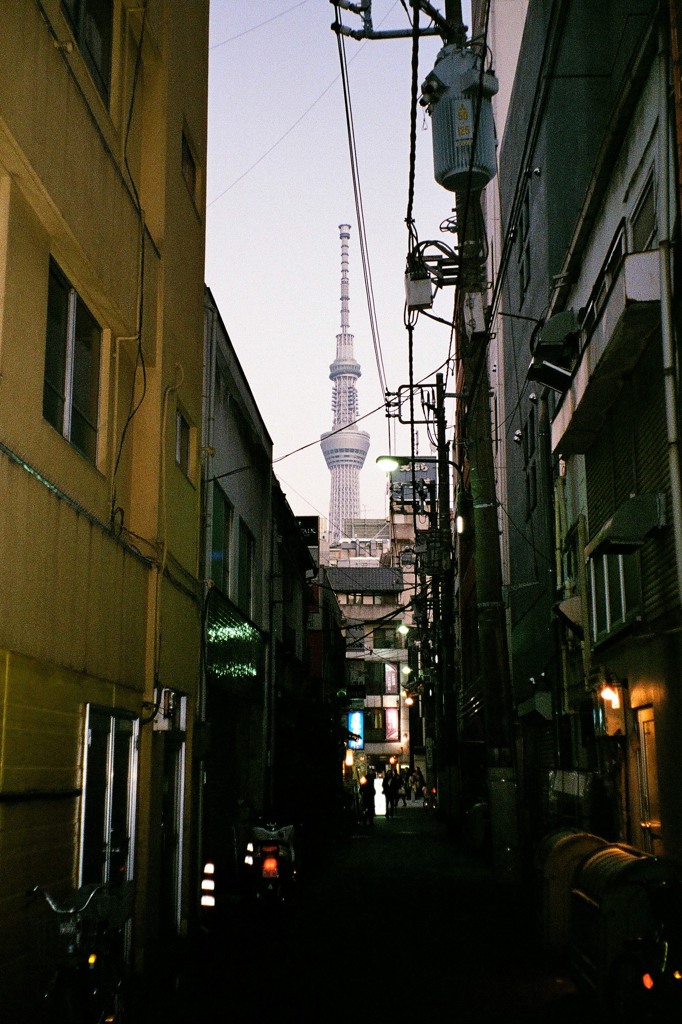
(386,790)
(391,788)
(367,794)
(419,785)
(402,789)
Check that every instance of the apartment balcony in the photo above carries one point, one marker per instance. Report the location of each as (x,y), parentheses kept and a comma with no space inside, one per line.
(616,328)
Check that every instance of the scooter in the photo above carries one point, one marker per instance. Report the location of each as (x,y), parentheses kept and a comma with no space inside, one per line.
(270,861)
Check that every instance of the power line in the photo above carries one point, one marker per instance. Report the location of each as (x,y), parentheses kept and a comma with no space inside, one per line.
(372,412)
(357,192)
(289,129)
(259,25)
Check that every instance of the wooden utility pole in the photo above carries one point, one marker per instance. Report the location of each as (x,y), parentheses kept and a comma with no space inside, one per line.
(494,670)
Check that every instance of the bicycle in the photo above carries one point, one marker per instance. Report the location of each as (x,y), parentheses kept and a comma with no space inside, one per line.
(85,984)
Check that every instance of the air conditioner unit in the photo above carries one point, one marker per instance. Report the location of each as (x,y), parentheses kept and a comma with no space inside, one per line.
(553,376)
(555,351)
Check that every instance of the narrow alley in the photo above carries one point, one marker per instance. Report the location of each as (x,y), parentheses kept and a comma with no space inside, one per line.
(394,918)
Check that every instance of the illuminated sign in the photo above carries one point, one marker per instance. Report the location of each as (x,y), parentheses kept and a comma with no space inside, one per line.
(392,725)
(356,730)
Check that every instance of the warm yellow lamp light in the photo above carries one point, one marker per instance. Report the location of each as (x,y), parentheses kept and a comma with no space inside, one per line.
(608,693)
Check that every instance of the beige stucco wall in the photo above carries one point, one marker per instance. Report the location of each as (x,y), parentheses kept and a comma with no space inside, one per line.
(96,609)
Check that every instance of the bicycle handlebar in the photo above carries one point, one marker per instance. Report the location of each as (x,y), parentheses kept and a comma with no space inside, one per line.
(72,909)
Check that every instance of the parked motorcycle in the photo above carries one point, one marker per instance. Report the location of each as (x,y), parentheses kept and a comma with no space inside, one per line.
(270,861)
(644,982)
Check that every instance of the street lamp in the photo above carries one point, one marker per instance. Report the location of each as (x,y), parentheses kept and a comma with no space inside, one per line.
(388,463)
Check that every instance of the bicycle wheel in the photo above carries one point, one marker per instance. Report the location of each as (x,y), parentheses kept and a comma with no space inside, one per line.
(108,997)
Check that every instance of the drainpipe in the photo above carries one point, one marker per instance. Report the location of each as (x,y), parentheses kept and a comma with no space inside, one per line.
(677,85)
(667,329)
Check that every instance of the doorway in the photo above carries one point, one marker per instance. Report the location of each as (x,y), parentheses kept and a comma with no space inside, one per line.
(647,771)
(108,809)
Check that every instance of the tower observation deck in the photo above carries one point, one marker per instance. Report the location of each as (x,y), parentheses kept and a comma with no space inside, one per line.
(344,446)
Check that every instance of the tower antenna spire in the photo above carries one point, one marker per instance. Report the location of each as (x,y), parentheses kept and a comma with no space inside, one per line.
(344,447)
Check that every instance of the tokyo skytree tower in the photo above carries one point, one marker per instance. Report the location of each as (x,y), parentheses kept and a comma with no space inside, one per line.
(344,446)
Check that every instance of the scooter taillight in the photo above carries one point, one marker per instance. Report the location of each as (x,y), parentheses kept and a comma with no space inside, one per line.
(270,867)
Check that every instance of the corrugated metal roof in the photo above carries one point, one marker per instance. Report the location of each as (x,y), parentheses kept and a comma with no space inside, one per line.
(365,579)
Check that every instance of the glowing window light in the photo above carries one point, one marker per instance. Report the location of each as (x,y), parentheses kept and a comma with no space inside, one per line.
(208,901)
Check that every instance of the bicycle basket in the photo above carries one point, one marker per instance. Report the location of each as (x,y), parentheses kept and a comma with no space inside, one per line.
(56,937)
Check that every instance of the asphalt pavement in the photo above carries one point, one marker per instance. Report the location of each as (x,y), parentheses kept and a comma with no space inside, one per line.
(394,920)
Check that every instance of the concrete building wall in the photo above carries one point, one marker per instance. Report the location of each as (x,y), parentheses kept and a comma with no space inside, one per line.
(99,601)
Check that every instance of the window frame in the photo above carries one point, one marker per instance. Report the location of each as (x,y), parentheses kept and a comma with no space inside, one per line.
(220,564)
(116,802)
(189,167)
(73,398)
(246,556)
(183,442)
(81,16)
(524,260)
(612,584)
(646,196)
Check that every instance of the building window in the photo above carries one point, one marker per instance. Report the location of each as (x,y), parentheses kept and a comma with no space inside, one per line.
(355,638)
(614,586)
(384,637)
(643,223)
(529,435)
(374,678)
(91,23)
(189,168)
(220,540)
(375,725)
(72,358)
(108,797)
(247,547)
(524,246)
(531,488)
(182,438)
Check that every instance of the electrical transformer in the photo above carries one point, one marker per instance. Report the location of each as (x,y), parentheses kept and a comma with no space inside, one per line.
(458,96)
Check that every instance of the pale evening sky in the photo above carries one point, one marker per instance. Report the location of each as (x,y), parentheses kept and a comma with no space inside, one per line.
(279,184)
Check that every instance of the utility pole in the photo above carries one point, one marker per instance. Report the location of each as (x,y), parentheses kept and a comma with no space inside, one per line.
(494,672)
(448,742)
(494,669)
(458,96)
